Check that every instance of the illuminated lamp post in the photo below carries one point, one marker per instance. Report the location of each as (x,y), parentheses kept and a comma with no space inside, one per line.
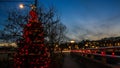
(86,45)
(72,44)
(72,41)
(21,5)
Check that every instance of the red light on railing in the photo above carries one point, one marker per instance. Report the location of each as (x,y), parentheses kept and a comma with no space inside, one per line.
(103,53)
(113,54)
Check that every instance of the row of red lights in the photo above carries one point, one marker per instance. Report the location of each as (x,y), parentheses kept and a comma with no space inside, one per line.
(31,53)
(93,52)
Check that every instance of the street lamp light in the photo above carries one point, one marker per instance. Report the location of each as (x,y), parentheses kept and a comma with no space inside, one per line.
(32,6)
(32,12)
(72,41)
(21,5)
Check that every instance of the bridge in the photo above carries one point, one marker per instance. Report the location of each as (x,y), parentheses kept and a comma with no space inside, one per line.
(103,57)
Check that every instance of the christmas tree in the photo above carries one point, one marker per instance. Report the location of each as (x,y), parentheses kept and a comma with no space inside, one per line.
(32,53)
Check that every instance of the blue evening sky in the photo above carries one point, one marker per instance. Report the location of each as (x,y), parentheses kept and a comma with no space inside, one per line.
(85,19)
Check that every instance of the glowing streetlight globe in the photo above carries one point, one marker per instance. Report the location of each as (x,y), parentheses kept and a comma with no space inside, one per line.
(21,6)
(72,41)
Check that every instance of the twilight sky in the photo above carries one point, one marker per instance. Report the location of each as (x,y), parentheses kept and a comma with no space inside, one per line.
(85,19)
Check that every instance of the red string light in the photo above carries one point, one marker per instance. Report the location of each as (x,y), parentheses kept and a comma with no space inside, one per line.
(33,53)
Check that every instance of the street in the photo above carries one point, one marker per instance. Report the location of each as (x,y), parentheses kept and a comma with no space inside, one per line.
(70,62)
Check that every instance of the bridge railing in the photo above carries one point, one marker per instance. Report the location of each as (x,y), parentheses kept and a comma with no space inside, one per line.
(110,55)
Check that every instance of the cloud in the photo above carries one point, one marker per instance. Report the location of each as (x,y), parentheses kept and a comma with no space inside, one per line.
(95,29)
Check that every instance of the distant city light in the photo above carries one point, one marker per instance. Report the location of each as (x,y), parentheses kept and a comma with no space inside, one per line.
(86,45)
(72,41)
(8,44)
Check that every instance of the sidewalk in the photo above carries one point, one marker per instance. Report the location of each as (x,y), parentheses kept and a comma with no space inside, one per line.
(70,62)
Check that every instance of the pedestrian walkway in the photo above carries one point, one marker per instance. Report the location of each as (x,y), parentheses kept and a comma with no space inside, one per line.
(70,62)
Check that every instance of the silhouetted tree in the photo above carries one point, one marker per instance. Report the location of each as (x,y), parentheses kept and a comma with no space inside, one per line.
(53,28)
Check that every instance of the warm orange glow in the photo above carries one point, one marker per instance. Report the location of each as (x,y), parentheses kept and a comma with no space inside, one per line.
(21,6)
(86,45)
(8,44)
(72,41)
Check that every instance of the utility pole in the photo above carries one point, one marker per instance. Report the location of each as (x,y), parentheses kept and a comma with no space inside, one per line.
(36,3)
